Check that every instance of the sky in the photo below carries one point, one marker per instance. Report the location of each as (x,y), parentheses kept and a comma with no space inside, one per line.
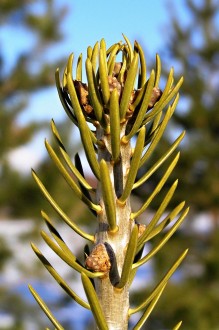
(85,23)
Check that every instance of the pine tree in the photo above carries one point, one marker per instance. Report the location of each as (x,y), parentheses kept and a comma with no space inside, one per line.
(30,72)
(194,48)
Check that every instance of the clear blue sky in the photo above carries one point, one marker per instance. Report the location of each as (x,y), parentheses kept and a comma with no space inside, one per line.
(87,22)
(143,20)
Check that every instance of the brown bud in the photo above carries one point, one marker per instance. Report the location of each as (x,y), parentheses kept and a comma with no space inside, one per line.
(155,96)
(113,83)
(117,68)
(141,229)
(98,260)
(83,97)
(133,96)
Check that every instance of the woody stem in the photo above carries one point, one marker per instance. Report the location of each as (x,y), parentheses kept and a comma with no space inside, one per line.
(114,302)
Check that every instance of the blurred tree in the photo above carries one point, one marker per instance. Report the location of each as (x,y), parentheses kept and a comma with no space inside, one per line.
(28,70)
(30,32)
(194,46)
(193,43)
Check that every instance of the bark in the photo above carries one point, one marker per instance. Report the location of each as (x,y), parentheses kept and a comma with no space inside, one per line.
(115,302)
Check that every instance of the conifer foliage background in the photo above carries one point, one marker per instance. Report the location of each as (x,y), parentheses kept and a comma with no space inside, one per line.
(192,45)
(24,73)
(30,30)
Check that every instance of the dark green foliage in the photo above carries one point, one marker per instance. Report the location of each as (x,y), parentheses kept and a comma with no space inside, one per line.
(194,46)
(30,72)
(24,72)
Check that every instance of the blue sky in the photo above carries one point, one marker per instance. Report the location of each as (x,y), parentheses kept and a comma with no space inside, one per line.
(90,21)
(146,21)
(87,22)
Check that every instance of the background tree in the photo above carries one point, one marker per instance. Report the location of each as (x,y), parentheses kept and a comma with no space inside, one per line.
(194,48)
(31,71)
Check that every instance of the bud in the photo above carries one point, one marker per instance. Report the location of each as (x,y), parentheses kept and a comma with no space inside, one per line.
(83,96)
(98,260)
(114,83)
(141,229)
(155,96)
